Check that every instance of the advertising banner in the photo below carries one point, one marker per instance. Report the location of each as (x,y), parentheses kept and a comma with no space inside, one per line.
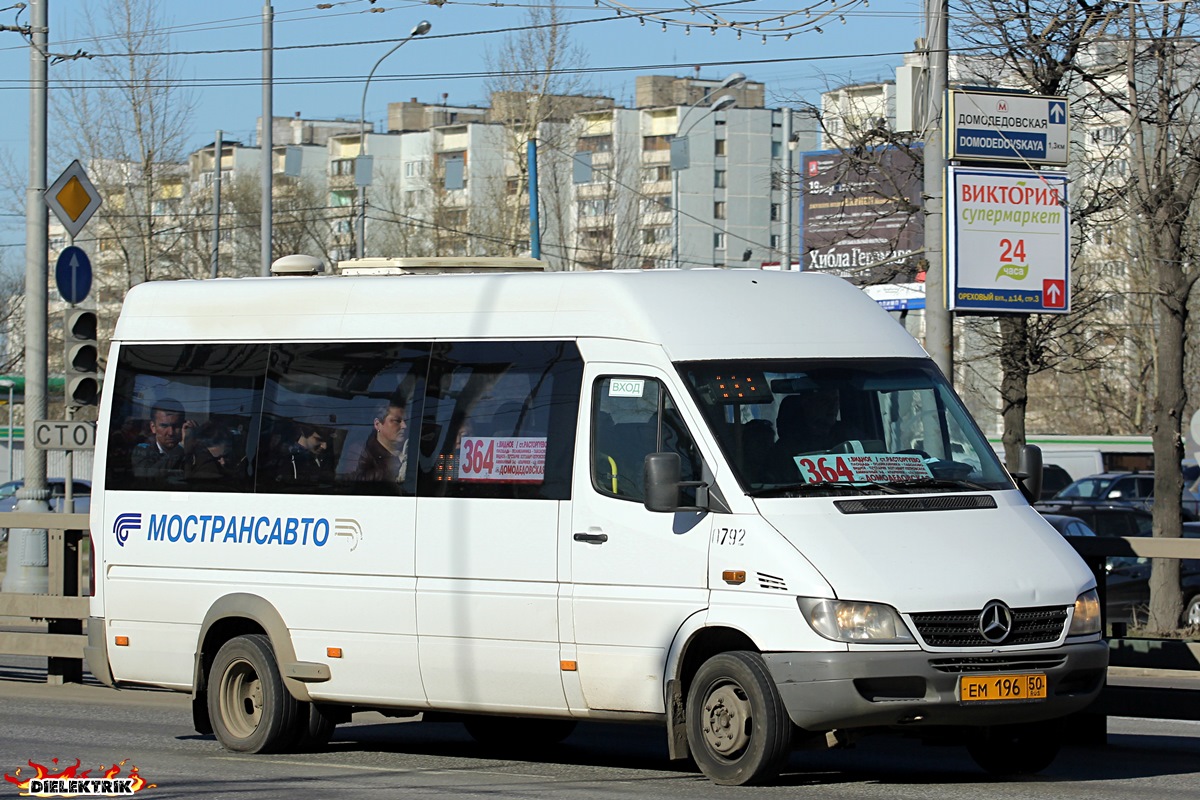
(1009,237)
(860,209)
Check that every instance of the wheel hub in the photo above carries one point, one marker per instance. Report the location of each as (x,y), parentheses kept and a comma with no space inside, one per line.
(242,698)
(727,720)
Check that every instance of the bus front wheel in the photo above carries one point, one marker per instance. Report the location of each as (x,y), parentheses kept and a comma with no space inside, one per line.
(737,727)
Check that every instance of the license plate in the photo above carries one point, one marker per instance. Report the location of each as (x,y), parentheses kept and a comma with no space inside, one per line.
(992,688)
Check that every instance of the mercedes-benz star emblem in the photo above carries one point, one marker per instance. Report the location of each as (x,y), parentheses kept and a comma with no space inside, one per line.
(995,622)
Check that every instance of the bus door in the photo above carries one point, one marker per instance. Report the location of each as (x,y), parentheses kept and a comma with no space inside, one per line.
(635,575)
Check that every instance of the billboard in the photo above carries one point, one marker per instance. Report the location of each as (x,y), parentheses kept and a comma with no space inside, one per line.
(1009,237)
(861,209)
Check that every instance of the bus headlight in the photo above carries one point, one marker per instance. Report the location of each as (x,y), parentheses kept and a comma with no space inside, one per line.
(847,621)
(1086,618)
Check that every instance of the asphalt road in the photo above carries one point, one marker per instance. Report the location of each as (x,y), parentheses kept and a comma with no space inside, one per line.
(377,757)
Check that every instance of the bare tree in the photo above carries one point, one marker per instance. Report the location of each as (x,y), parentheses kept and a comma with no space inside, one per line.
(1035,46)
(410,212)
(1135,71)
(12,321)
(534,86)
(303,222)
(1161,89)
(126,117)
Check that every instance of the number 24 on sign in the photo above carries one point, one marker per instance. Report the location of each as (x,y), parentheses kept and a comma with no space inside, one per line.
(1012,251)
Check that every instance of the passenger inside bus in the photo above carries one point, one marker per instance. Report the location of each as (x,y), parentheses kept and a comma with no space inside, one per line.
(210,458)
(806,423)
(384,455)
(162,457)
(305,459)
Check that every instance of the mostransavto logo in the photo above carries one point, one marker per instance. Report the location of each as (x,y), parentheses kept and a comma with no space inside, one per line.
(125,525)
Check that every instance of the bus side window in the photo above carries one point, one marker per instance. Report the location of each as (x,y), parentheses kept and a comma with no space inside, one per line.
(499,421)
(321,406)
(164,395)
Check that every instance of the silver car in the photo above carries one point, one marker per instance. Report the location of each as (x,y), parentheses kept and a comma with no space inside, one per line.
(81,495)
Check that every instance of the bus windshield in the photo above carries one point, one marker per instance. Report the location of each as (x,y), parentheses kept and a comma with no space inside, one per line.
(792,427)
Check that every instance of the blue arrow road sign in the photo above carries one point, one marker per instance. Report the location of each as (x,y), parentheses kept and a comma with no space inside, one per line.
(1058,112)
(73,274)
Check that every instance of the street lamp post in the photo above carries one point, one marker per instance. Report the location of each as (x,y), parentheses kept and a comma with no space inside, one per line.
(421,29)
(680,156)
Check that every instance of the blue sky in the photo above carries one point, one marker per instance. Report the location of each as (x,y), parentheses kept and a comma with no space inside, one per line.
(323,55)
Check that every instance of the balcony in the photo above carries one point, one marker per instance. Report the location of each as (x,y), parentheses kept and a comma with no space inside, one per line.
(598,222)
(657,250)
(592,191)
(652,157)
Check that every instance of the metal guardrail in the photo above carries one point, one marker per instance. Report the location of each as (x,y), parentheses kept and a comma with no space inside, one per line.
(64,610)
(1154,661)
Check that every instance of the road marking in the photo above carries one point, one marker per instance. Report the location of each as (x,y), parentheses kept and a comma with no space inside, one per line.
(324,764)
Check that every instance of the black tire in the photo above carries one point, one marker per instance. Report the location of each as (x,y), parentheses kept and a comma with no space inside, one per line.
(1016,749)
(314,728)
(250,709)
(518,734)
(737,727)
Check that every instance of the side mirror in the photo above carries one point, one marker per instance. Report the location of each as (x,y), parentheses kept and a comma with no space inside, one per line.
(1029,472)
(663,473)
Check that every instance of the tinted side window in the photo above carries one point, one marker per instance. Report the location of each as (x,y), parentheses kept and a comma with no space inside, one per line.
(336,418)
(185,417)
(499,420)
(633,417)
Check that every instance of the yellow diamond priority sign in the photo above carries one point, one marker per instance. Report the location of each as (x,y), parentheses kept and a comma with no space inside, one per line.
(73,198)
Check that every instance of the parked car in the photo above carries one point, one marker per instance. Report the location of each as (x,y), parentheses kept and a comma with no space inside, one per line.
(1127,582)
(1054,480)
(1134,488)
(1068,526)
(1128,585)
(81,493)
(1105,517)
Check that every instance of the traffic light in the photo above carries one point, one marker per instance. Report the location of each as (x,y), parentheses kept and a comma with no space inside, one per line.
(81,363)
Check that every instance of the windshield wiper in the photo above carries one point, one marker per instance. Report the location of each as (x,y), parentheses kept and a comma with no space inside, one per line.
(807,488)
(940,483)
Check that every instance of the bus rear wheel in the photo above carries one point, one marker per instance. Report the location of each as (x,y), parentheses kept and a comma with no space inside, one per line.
(737,727)
(250,708)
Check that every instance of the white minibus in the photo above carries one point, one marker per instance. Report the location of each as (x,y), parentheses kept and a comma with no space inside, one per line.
(744,506)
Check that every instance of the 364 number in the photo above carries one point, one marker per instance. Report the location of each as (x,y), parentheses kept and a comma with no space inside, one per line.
(478,456)
(826,468)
